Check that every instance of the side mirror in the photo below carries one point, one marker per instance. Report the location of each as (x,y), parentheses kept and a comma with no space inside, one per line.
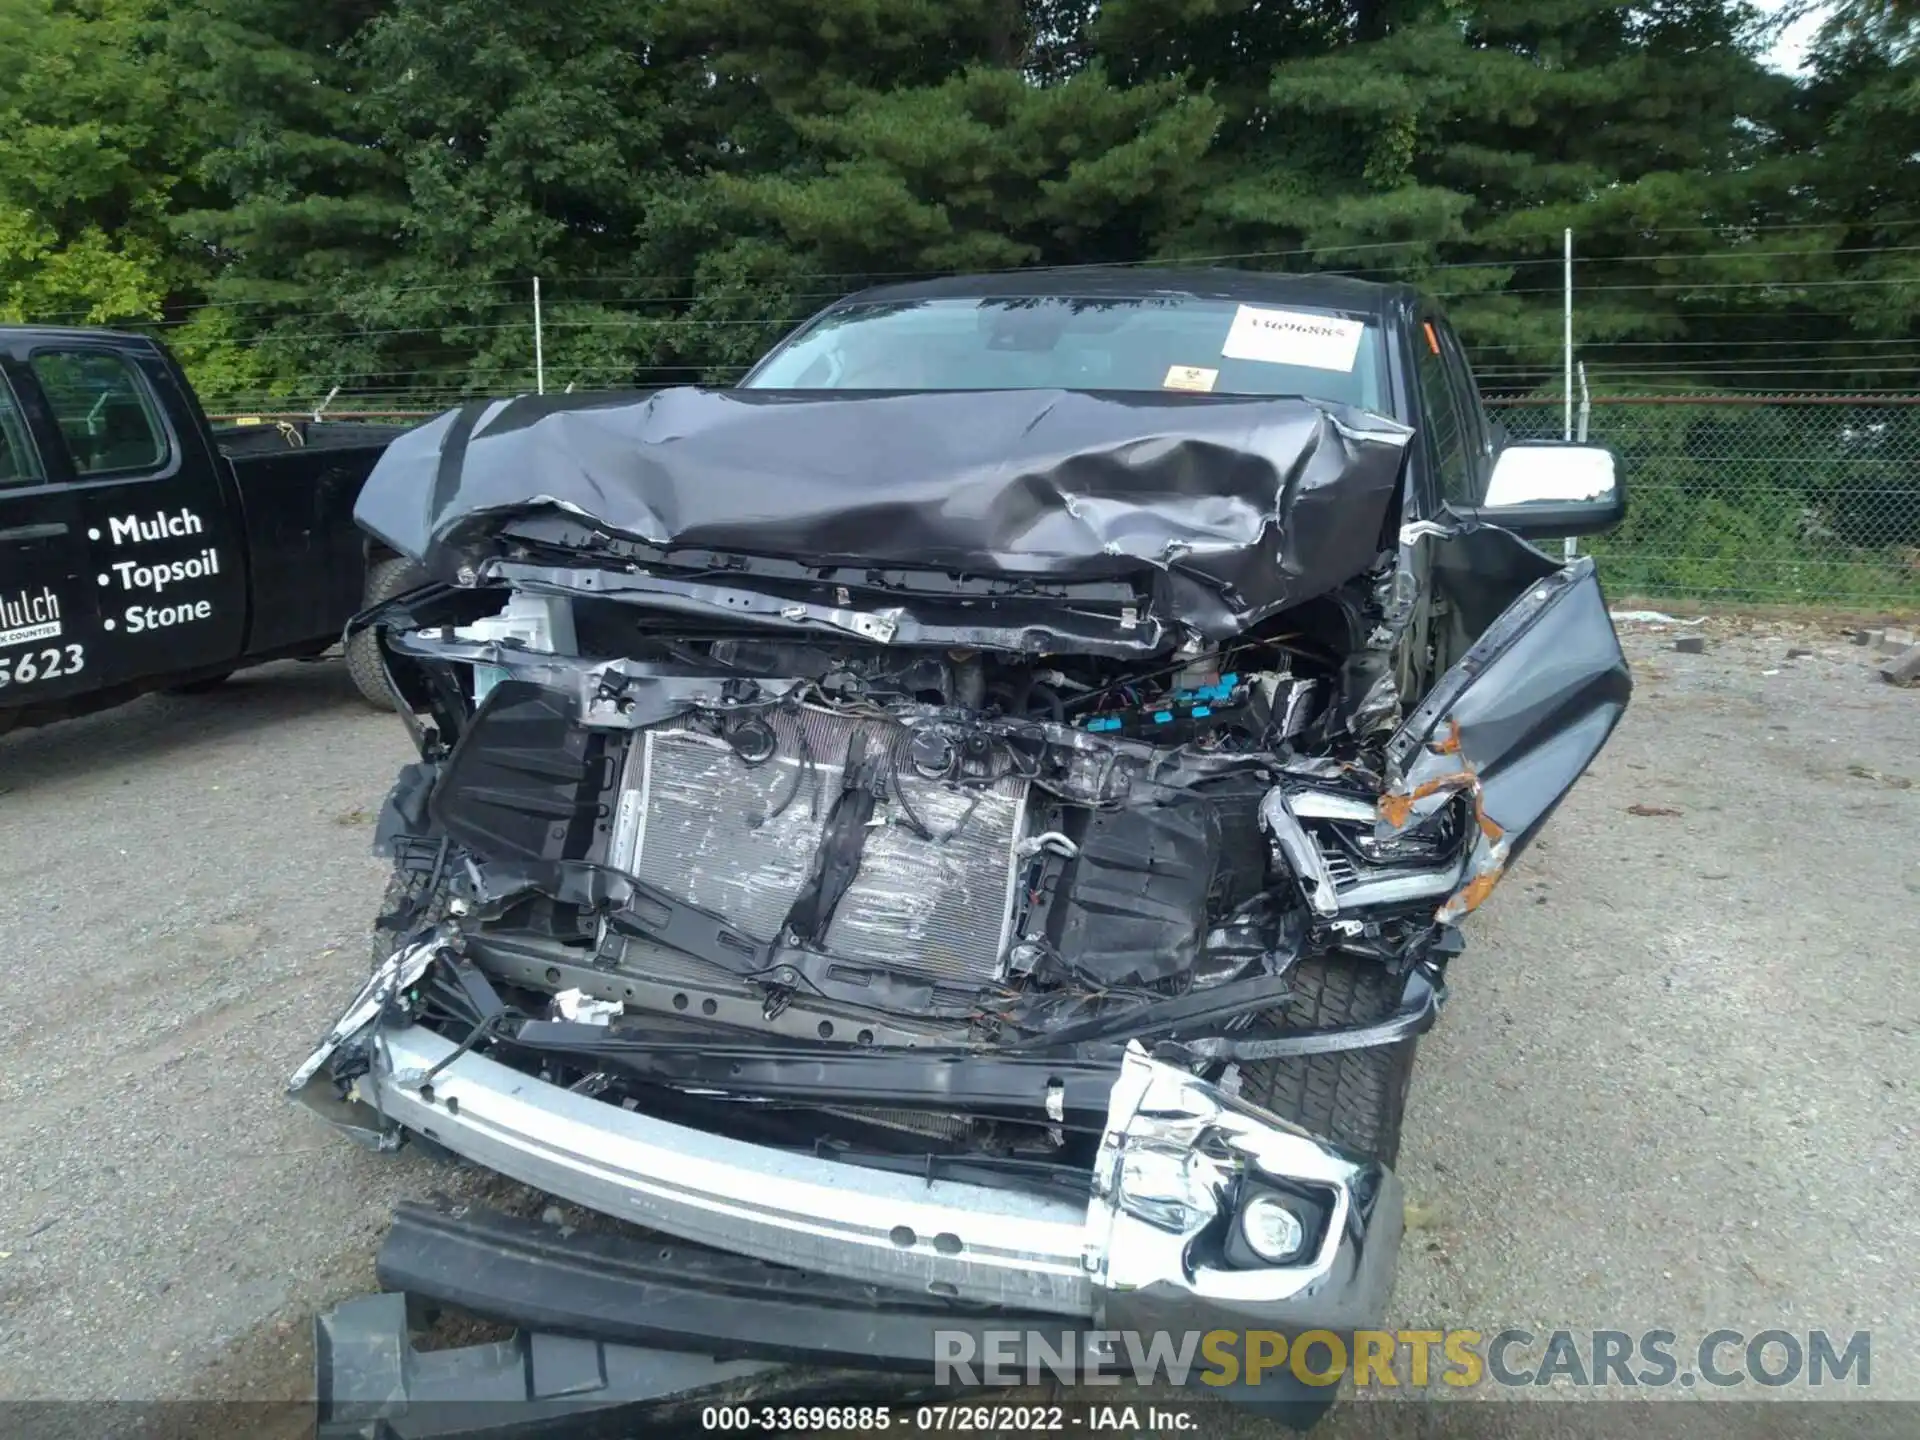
(1544,488)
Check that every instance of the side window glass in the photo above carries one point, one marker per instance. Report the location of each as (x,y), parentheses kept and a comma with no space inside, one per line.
(103,411)
(1446,425)
(19,464)
(1479,438)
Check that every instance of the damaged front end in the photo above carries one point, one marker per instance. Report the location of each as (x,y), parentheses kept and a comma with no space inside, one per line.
(942,892)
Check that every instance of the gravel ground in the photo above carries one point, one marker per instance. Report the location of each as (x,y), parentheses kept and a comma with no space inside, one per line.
(1674,1086)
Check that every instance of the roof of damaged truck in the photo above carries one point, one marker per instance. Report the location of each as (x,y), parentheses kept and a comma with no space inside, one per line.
(1330,292)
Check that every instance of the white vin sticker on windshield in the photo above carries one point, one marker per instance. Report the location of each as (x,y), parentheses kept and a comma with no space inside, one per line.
(1293,337)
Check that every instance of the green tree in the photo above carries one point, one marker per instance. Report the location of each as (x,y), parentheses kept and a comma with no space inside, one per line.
(302,200)
(386,176)
(533,141)
(868,140)
(1442,142)
(396,174)
(96,146)
(1861,170)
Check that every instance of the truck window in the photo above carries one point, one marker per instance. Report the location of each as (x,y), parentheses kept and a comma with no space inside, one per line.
(103,410)
(1446,423)
(1025,342)
(1479,434)
(19,465)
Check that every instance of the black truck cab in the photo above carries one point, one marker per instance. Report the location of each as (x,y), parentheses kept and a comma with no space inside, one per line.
(139,548)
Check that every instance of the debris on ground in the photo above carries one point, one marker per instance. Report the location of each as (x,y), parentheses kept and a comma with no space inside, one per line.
(1653,810)
(1419,1217)
(1903,669)
(1867,772)
(1651,617)
(1798,652)
(1691,644)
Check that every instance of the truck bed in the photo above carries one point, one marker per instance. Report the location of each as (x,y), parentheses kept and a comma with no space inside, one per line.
(238,442)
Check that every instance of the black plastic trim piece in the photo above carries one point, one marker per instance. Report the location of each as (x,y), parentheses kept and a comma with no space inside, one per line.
(370,1383)
(616,1334)
(1022,1087)
(670,1295)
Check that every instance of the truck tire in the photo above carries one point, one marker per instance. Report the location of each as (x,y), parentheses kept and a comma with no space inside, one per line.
(404,891)
(1355,1098)
(385,579)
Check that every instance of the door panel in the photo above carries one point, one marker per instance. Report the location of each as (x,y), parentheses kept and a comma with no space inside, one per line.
(159,544)
(47,612)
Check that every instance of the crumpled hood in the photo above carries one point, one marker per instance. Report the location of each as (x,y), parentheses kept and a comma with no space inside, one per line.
(1228,508)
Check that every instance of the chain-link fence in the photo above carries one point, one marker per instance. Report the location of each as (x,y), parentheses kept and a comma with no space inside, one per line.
(1777,499)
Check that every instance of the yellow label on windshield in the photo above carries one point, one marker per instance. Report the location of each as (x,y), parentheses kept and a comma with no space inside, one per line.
(1189,377)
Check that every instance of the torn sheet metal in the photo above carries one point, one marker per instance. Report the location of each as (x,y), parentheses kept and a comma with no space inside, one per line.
(313,1084)
(1223,509)
(392,976)
(610,694)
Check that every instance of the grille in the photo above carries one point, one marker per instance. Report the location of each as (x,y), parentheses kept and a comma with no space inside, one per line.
(914,1122)
(698,821)
(1340,867)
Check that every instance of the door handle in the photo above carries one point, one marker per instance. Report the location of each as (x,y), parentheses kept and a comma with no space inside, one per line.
(52,530)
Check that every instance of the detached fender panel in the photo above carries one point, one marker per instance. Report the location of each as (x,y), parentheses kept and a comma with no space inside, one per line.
(1514,724)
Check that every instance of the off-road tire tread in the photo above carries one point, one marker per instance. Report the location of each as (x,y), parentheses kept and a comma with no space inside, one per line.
(385,579)
(401,886)
(1355,1098)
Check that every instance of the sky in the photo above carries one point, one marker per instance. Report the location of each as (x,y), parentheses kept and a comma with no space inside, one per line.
(1786,52)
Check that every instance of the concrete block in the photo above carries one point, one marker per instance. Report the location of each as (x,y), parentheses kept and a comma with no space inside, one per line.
(1902,669)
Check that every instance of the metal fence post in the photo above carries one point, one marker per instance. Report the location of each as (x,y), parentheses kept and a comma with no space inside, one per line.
(1566,330)
(539,344)
(1570,546)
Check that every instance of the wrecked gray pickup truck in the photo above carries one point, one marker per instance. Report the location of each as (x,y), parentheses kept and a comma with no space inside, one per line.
(973,820)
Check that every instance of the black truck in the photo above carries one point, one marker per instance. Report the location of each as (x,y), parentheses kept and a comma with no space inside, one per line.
(965,828)
(142,549)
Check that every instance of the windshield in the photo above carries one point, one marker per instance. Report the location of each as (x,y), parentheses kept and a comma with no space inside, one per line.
(1057,342)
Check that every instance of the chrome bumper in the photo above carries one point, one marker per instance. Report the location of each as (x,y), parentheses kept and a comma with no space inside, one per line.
(1175,1154)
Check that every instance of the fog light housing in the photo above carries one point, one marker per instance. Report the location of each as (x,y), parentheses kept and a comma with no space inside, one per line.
(1271,1229)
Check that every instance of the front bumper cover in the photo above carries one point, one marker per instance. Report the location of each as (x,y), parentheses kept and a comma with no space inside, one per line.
(614,1335)
(1176,1157)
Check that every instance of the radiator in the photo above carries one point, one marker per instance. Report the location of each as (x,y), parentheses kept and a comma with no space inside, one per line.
(697,821)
